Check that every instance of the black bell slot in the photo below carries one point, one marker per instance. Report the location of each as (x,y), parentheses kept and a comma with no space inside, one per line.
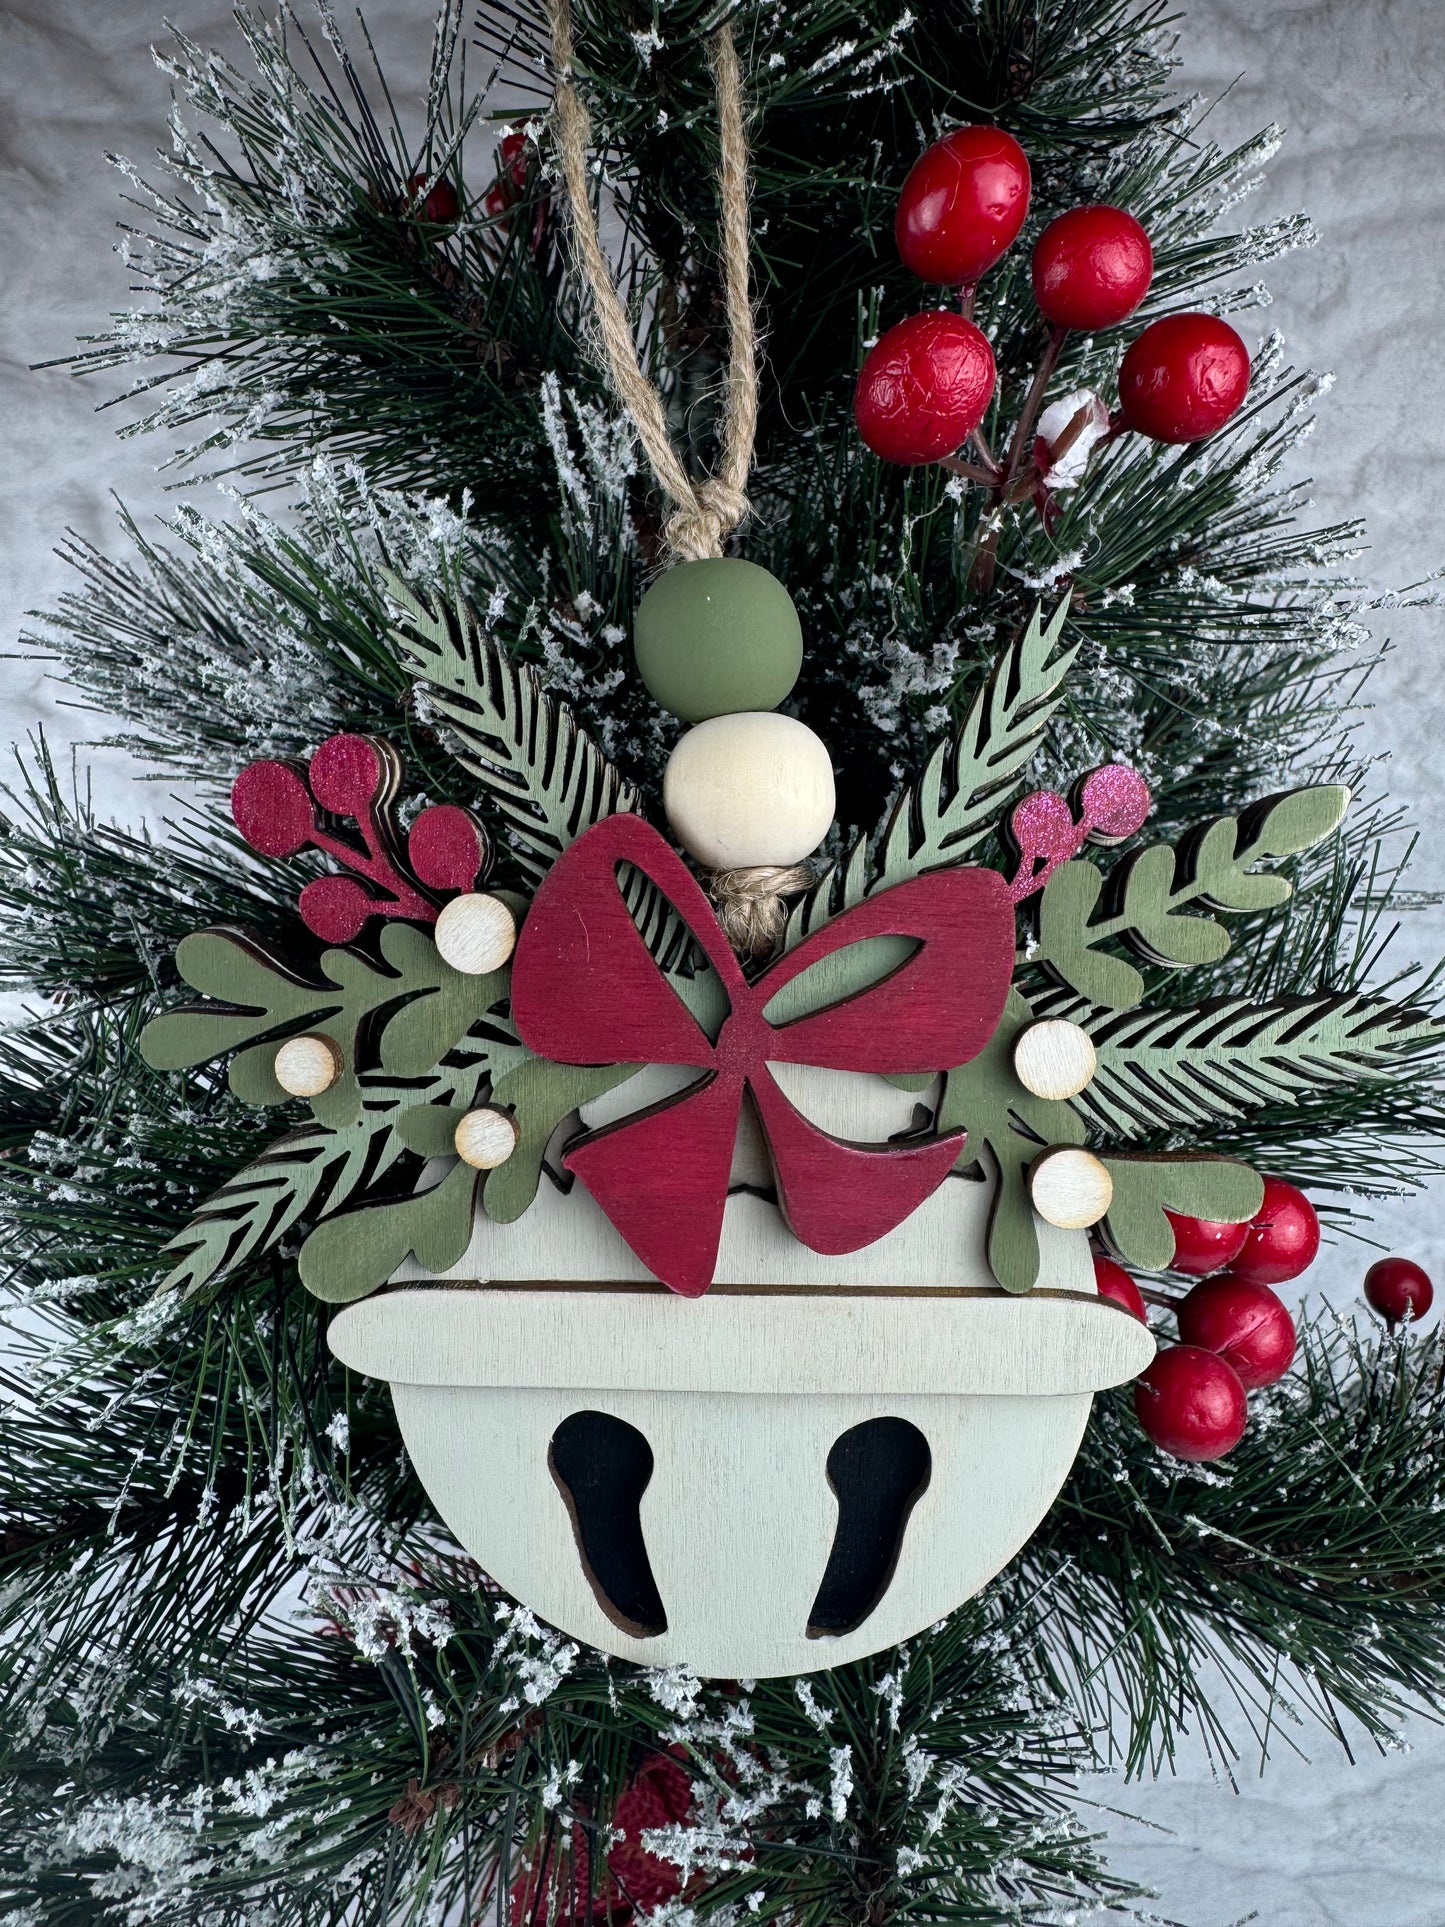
(602,1465)
(878,1470)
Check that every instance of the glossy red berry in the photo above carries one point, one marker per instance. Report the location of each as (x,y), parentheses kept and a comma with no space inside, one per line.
(1398,1289)
(1092,268)
(1284,1237)
(1191,1403)
(1183,378)
(926,385)
(1202,1246)
(439,205)
(1113,1282)
(1245,1323)
(962,205)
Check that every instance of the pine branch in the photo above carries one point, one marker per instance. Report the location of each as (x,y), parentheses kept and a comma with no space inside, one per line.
(966,783)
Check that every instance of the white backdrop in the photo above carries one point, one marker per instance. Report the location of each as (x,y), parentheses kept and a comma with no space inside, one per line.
(1357,84)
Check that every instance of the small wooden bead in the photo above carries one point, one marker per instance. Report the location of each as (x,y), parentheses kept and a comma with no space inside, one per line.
(1054,1058)
(307,1066)
(475,933)
(749,788)
(486,1138)
(1070,1188)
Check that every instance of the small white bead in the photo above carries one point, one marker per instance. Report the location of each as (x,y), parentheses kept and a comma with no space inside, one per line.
(1070,1188)
(307,1066)
(749,788)
(475,933)
(486,1138)
(1054,1058)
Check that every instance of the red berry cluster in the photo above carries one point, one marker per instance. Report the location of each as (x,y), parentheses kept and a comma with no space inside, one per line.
(282,808)
(558,1887)
(1235,1333)
(927,382)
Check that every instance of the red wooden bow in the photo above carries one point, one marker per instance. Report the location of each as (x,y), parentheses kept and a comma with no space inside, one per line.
(586,990)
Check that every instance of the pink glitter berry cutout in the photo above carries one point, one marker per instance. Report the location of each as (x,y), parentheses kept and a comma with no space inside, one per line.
(1110,804)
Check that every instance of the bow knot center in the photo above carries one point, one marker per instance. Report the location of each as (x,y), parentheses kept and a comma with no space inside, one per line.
(743,1042)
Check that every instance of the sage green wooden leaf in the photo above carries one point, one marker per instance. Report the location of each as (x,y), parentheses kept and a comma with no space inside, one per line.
(1182,1069)
(256,993)
(430,1129)
(1007,1127)
(1154,926)
(1294,820)
(539,1095)
(258,996)
(843,973)
(1211,862)
(1220,1189)
(968,780)
(1067,940)
(354,1252)
(443,1003)
(252,1076)
(543,775)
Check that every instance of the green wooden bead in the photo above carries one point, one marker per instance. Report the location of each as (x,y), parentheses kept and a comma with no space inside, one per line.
(717,636)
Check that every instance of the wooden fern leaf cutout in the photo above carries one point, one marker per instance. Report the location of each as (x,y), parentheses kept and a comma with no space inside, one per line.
(1176,1069)
(966,783)
(543,775)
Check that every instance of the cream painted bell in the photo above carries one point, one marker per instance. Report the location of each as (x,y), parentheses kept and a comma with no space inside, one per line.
(677,1481)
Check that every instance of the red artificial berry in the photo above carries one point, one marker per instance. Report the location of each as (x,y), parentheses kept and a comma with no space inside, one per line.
(1284,1237)
(1092,268)
(659,1794)
(1244,1322)
(272,808)
(1398,1289)
(1202,1246)
(1113,1282)
(1191,1403)
(925,386)
(447,846)
(962,205)
(440,204)
(1183,378)
(512,154)
(347,774)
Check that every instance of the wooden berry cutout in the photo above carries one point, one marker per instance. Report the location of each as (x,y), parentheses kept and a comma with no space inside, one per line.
(307,1066)
(1070,1188)
(282,809)
(1054,1058)
(475,933)
(485,1138)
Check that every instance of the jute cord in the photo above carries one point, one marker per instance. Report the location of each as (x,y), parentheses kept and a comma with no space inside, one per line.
(751,903)
(704,513)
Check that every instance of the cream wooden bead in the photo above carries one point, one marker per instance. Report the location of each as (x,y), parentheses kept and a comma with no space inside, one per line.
(750,788)
(307,1066)
(475,933)
(1054,1058)
(486,1138)
(1070,1188)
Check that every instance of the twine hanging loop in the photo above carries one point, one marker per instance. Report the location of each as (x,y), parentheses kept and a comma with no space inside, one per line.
(704,513)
